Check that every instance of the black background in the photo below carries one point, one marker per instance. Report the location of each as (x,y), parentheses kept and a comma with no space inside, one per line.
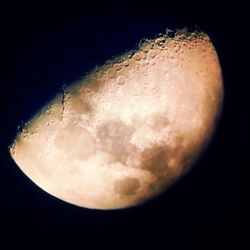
(46,45)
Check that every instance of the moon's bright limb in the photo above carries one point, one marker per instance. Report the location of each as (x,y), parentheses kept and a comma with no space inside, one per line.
(130,128)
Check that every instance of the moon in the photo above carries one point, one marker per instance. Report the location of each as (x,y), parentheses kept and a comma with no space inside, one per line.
(130,128)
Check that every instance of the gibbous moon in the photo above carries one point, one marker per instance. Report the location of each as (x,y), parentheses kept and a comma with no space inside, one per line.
(130,128)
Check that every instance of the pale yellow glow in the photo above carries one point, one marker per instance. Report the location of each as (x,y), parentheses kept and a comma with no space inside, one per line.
(130,128)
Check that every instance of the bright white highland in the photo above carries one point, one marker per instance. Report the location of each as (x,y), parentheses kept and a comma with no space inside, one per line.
(130,128)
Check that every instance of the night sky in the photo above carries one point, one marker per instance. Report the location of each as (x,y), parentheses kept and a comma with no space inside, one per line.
(47,46)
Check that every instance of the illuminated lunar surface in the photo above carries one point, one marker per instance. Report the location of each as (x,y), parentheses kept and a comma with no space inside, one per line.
(130,128)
